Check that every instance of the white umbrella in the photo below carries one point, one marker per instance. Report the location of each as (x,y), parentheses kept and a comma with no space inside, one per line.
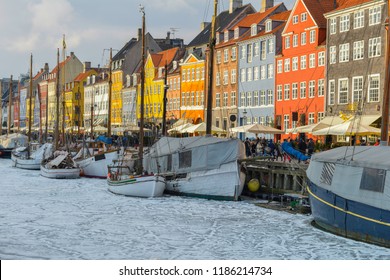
(201,127)
(178,129)
(257,128)
(349,128)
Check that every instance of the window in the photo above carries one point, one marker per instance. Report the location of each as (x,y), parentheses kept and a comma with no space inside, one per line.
(287,65)
(332,55)
(358,50)
(243,75)
(303,62)
(287,42)
(218,79)
(226,55)
(236,33)
(312,89)
(303,38)
(270,72)
(286,121)
(270,94)
(320,116)
(249,53)
(262,98)
(225,99)
(312,60)
(263,50)
(358,19)
(243,52)
(233,98)
(226,36)
(373,179)
(321,87)
(312,36)
(311,118)
(217,100)
(332,92)
(344,23)
(234,76)
(280,66)
(234,53)
(242,99)
(375,15)
(279,92)
(184,75)
(374,47)
(249,99)
(303,90)
(343,91)
(357,88)
(225,77)
(295,91)
(253,29)
(333,25)
(249,76)
(268,26)
(255,98)
(256,74)
(262,72)
(294,63)
(344,53)
(257,49)
(218,57)
(295,19)
(373,88)
(286,92)
(270,45)
(303,16)
(295,40)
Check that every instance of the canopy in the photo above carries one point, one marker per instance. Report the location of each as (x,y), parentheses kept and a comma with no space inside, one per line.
(310,128)
(350,127)
(98,128)
(201,127)
(179,128)
(257,128)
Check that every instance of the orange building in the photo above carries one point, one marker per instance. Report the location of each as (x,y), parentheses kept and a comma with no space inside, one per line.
(300,69)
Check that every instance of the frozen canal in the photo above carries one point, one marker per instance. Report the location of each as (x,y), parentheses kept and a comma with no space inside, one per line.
(79,219)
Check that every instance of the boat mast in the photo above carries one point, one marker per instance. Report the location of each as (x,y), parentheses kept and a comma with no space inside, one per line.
(164,123)
(210,71)
(141,128)
(109,95)
(57,122)
(9,107)
(30,100)
(63,91)
(386,93)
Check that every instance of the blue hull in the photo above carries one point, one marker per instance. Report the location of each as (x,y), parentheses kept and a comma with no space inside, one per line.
(349,218)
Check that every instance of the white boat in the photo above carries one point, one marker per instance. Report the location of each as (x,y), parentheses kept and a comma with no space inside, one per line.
(205,167)
(60,166)
(22,158)
(10,142)
(93,160)
(123,183)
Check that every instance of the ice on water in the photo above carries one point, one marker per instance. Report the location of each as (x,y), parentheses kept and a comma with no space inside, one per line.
(79,219)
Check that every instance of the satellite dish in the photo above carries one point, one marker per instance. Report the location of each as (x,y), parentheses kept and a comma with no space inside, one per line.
(233,118)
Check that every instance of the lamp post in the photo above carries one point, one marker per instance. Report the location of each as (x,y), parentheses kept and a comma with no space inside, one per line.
(244,113)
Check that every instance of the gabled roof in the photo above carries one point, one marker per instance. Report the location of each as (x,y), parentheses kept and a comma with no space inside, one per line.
(345,4)
(82,76)
(122,53)
(317,9)
(164,57)
(222,21)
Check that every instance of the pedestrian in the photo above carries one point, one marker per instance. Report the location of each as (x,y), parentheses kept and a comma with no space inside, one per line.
(377,143)
(310,146)
(247,147)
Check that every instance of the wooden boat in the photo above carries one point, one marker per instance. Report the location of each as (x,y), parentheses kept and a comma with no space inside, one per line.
(60,166)
(122,182)
(26,159)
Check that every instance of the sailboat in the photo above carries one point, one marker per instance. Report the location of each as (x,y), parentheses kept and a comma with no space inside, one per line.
(94,156)
(30,157)
(349,187)
(60,164)
(203,166)
(120,180)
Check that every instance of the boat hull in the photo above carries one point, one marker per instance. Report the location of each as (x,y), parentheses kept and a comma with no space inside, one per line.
(349,218)
(5,153)
(60,173)
(96,166)
(28,163)
(138,186)
(224,183)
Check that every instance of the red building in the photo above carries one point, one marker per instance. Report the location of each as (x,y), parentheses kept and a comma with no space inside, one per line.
(300,69)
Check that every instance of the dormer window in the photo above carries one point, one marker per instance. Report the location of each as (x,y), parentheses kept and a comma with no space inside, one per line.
(134,80)
(174,65)
(236,33)
(254,29)
(93,79)
(88,80)
(217,39)
(128,80)
(160,72)
(226,36)
(268,26)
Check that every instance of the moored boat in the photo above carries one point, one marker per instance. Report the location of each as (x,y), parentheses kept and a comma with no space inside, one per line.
(60,166)
(24,158)
(9,142)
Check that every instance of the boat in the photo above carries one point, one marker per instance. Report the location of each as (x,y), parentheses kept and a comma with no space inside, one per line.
(27,158)
(349,189)
(8,142)
(60,166)
(202,166)
(120,180)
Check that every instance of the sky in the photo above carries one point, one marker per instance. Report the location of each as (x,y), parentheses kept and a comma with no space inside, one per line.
(91,27)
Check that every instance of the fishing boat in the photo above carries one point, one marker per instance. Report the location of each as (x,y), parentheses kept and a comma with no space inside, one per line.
(29,158)
(201,166)
(120,180)
(60,166)
(349,187)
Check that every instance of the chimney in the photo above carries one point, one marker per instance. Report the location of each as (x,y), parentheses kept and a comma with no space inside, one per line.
(266,4)
(234,4)
(87,66)
(139,38)
(46,67)
(203,25)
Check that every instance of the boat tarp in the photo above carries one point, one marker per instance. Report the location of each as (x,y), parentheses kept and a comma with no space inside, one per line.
(57,160)
(181,155)
(13,140)
(288,148)
(340,171)
(43,152)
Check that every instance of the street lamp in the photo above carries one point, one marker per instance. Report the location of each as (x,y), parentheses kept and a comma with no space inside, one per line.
(244,119)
